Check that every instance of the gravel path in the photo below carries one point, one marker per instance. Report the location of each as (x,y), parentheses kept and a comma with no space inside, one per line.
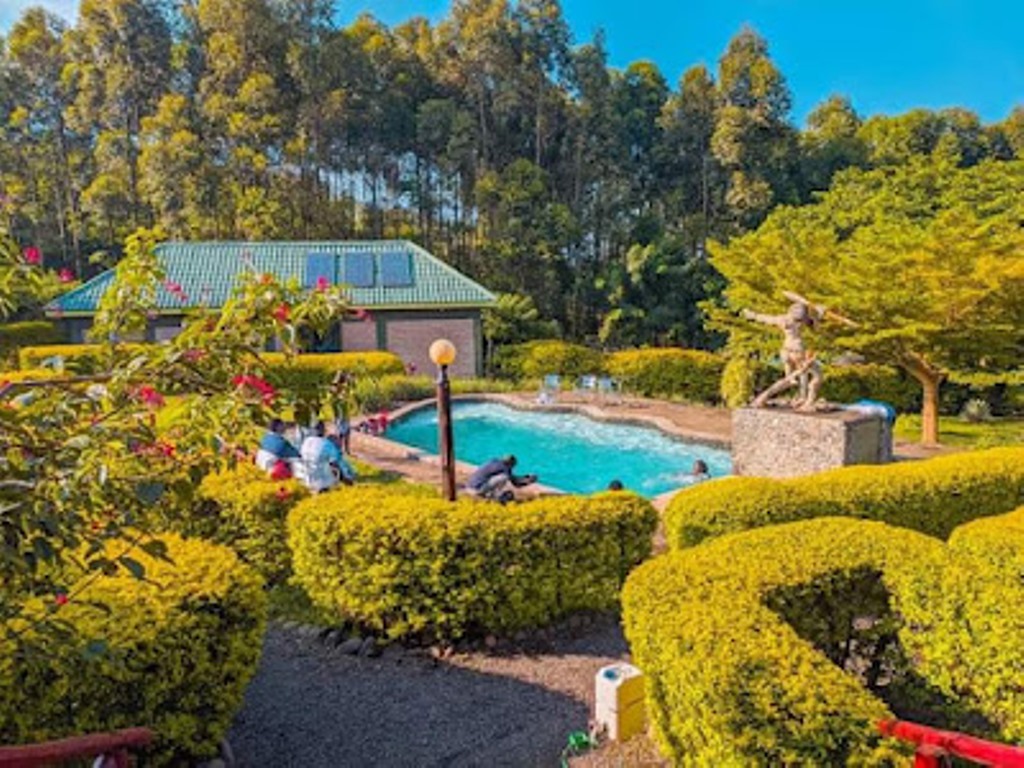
(310,705)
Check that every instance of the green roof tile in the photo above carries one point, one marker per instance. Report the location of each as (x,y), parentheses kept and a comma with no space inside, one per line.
(207,273)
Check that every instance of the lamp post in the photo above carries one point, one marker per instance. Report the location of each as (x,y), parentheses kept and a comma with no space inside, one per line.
(442,353)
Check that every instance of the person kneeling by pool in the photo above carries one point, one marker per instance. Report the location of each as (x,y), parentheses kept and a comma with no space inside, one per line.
(492,480)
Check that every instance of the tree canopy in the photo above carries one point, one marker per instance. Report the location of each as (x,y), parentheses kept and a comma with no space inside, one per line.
(926,258)
(490,137)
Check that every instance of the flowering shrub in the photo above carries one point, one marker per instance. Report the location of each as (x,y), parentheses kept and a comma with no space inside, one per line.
(173,652)
(932,496)
(90,460)
(399,560)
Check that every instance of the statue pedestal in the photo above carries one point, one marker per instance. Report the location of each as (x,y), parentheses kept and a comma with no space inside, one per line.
(779,442)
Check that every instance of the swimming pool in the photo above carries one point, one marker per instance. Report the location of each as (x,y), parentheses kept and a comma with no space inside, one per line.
(568,451)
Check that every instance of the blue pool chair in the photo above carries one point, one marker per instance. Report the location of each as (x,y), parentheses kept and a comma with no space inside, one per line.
(549,389)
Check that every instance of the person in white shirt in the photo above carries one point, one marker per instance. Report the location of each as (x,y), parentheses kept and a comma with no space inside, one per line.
(321,465)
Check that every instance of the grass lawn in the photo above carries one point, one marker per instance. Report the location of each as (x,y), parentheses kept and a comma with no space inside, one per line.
(955,431)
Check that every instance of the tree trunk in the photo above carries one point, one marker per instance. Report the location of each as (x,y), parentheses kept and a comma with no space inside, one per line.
(929,378)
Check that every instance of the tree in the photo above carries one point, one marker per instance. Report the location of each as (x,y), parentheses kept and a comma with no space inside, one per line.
(926,258)
(830,143)
(512,320)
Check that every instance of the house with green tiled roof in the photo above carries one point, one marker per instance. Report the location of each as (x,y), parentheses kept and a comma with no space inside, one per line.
(409,296)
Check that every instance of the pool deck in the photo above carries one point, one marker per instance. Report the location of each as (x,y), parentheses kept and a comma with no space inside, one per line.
(690,422)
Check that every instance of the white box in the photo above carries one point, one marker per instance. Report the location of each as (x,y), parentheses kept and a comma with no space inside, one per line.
(619,701)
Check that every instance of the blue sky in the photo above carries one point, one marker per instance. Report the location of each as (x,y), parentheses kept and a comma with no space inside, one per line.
(887,56)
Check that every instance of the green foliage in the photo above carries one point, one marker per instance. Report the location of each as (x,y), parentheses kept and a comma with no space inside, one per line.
(971,637)
(246,510)
(84,463)
(309,378)
(932,496)
(536,359)
(688,374)
(173,651)
(738,384)
(731,682)
(77,358)
(377,394)
(14,336)
(849,383)
(924,257)
(403,562)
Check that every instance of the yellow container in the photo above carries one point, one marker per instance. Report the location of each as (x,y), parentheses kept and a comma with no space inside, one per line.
(619,701)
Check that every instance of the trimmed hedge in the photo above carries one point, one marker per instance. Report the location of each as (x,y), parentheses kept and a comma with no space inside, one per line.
(180,648)
(536,359)
(80,358)
(246,510)
(730,681)
(690,374)
(401,561)
(971,620)
(932,496)
(850,383)
(14,336)
(377,394)
(310,376)
(32,374)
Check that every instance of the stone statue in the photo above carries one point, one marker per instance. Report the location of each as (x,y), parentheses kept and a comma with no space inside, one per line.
(801,367)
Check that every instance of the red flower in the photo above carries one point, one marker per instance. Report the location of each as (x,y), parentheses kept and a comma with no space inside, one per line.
(266,278)
(167,449)
(66,275)
(283,494)
(362,314)
(193,355)
(322,284)
(150,397)
(281,313)
(175,290)
(32,255)
(267,393)
(60,599)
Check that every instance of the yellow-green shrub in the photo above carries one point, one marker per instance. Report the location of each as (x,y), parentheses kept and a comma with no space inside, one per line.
(690,374)
(932,496)
(849,383)
(970,620)
(13,336)
(79,358)
(376,394)
(180,648)
(310,376)
(536,359)
(246,510)
(729,681)
(405,563)
(31,374)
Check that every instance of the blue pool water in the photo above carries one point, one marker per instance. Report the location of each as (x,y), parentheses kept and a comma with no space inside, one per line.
(567,450)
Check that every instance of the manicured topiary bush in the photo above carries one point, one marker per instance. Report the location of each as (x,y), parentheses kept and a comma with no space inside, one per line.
(536,359)
(173,652)
(689,374)
(246,510)
(730,681)
(403,562)
(933,496)
(970,620)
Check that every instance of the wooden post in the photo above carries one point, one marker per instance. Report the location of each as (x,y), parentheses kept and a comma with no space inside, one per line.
(446,442)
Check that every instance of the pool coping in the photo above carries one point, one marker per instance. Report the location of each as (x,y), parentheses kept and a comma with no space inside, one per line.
(398,450)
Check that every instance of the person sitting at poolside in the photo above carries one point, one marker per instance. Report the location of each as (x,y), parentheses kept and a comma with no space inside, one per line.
(275,451)
(322,466)
(492,480)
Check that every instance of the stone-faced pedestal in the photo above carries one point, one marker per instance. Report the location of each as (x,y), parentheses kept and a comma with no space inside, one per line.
(780,442)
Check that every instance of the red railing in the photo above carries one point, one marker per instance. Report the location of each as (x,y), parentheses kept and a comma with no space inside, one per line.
(114,747)
(933,745)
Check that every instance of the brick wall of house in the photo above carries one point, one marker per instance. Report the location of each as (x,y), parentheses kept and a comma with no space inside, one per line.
(359,335)
(411,339)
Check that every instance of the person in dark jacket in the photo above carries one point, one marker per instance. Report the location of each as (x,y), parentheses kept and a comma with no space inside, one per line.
(495,480)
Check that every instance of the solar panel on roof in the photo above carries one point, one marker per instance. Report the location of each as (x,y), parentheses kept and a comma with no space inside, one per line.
(359,270)
(319,266)
(395,269)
